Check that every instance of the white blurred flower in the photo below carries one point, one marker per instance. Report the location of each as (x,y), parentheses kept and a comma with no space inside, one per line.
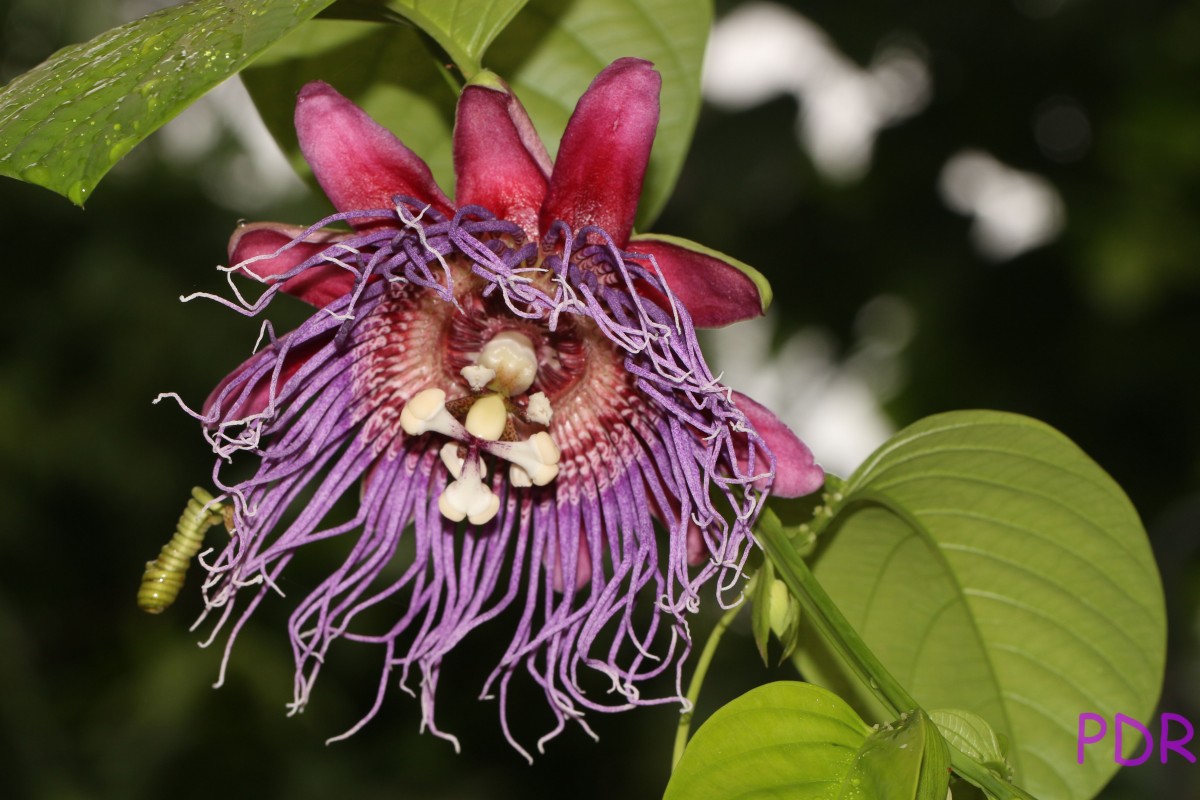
(1013,211)
(764,50)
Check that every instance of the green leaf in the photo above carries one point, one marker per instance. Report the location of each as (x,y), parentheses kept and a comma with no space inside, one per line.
(993,567)
(552,51)
(802,742)
(972,736)
(384,69)
(463,28)
(66,122)
(785,739)
(901,761)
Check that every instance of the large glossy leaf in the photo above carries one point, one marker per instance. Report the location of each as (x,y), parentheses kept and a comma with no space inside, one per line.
(66,122)
(464,28)
(553,49)
(384,68)
(995,568)
(802,742)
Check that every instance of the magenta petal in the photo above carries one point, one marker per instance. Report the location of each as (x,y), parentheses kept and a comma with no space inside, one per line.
(597,176)
(716,289)
(583,566)
(499,162)
(317,286)
(359,163)
(796,473)
(697,548)
(259,395)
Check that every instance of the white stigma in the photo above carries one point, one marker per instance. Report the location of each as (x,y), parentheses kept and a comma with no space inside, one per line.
(511,356)
(477,377)
(538,410)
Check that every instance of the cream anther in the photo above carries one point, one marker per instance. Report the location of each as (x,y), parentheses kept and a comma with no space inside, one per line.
(488,417)
(537,457)
(511,355)
(518,477)
(477,376)
(538,410)
(468,497)
(426,411)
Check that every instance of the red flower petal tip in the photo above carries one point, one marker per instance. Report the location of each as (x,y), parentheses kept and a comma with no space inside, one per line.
(359,163)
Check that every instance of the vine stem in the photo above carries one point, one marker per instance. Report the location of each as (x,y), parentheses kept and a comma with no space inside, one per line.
(710,647)
(840,635)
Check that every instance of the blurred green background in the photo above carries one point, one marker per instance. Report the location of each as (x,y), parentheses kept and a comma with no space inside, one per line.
(1094,331)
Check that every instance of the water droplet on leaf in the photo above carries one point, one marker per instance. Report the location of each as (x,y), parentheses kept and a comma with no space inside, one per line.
(77,192)
(118,150)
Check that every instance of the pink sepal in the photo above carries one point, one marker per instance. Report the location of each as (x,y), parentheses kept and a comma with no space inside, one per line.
(583,566)
(359,163)
(499,162)
(796,473)
(260,393)
(317,286)
(601,162)
(714,291)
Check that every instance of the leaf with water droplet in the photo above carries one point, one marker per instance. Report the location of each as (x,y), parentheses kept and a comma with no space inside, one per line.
(76,192)
(119,148)
(906,760)
(57,120)
(37,174)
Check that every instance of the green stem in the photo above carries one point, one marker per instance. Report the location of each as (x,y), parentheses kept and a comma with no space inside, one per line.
(710,647)
(827,618)
(840,635)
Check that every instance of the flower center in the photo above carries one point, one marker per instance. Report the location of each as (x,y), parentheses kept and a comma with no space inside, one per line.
(482,422)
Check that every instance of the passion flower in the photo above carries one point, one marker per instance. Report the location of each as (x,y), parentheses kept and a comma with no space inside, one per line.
(509,391)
